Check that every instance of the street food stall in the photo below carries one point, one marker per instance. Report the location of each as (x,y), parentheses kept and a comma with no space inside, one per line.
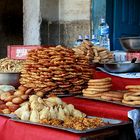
(60,94)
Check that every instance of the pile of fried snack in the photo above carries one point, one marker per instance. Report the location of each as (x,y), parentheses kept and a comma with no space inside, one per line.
(101,89)
(55,70)
(53,111)
(95,54)
(132,96)
(10,65)
(53,107)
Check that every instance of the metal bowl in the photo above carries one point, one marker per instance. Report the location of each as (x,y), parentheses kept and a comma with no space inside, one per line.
(130,43)
(122,67)
(10,78)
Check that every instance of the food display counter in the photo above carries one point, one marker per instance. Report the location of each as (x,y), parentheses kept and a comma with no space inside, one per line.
(16,130)
(52,71)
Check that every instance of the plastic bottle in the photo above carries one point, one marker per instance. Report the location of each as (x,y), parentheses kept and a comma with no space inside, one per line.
(103,31)
(87,37)
(78,41)
(94,40)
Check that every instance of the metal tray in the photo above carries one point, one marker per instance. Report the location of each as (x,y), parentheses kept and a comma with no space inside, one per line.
(110,123)
(7,115)
(114,102)
(122,67)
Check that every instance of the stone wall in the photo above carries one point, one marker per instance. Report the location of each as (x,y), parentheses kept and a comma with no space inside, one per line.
(64,20)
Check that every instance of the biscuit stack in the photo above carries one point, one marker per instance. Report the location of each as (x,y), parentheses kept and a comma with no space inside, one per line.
(132,96)
(96,87)
(102,55)
(94,53)
(113,96)
(55,70)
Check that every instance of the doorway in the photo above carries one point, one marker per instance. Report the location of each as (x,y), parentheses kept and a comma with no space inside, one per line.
(11,24)
(123,17)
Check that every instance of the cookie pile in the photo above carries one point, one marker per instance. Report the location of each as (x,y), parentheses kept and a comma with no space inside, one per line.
(113,96)
(102,55)
(132,96)
(96,87)
(96,54)
(55,70)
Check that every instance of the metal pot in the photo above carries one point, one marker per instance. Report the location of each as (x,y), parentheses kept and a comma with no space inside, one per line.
(130,43)
(122,67)
(10,78)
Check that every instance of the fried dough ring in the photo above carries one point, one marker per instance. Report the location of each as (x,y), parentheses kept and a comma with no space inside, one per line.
(131,102)
(100,80)
(132,98)
(100,87)
(133,87)
(99,84)
(93,96)
(58,78)
(116,99)
(106,97)
(91,92)
(135,93)
(114,94)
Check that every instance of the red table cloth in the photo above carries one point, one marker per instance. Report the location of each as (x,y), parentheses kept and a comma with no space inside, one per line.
(17,131)
(14,130)
(99,108)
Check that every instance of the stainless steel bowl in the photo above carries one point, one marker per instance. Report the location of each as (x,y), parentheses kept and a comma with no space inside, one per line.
(10,78)
(122,67)
(130,43)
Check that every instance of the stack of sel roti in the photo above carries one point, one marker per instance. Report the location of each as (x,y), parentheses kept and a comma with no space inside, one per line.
(96,87)
(55,70)
(101,89)
(132,96)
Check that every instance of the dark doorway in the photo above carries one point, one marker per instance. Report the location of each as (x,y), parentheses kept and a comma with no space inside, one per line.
(123,17)
(11,24)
